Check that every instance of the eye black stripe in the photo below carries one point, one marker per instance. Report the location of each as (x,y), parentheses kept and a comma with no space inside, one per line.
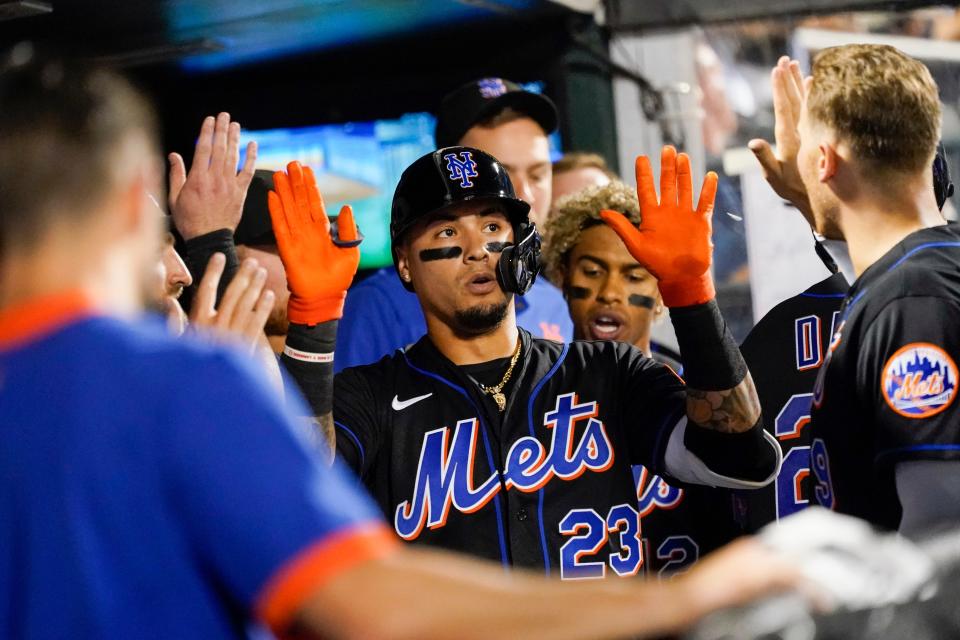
(638,300)
(578,293)
(443,253)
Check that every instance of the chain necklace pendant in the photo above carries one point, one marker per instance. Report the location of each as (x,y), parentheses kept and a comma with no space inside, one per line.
(501,401)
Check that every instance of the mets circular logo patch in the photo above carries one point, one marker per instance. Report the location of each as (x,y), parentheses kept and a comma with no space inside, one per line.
(919,380)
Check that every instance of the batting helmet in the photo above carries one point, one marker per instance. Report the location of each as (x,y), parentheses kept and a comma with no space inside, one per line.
(451,175)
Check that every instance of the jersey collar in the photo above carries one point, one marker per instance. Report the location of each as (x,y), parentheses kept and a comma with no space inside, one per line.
(42,316)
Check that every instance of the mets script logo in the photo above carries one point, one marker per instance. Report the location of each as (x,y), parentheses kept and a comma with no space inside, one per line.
(491,87)
(445,470)
(462,168)
(919,380)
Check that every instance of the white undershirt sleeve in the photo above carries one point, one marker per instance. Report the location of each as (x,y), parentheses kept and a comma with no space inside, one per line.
(683,465)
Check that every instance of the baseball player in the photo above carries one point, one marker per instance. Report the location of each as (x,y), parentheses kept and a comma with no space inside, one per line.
(513,125)
(151,487)
(785,350)
(857,140)
(612,297)
(483,439)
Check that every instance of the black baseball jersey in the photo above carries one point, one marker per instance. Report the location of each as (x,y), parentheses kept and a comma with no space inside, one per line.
(548,484)
(784,351)
(887,389)
(681,523)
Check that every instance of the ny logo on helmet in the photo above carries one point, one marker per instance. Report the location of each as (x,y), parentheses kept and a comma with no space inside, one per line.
(462,168)
(492,87)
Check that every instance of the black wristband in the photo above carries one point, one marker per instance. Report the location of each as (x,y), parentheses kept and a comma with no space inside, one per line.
(745,455)
(711,358)
(197,252)
(308,356)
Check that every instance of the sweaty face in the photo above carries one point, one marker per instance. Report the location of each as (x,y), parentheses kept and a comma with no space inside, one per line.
(451,259)
(522,148)
(610,296)
(268,257)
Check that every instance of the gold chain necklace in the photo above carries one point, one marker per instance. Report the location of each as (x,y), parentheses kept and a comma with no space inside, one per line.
(497,391)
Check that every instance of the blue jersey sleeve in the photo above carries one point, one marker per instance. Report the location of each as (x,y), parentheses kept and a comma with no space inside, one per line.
(379,317)
(544,313)
(251,496)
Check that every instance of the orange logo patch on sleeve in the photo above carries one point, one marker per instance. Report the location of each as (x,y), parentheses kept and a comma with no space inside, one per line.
(919,380)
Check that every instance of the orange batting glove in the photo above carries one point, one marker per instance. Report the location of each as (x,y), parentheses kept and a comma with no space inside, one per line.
(673,240)
(318,271)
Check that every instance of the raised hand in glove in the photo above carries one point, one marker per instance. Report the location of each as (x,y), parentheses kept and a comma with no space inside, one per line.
(319,271)
(673,239)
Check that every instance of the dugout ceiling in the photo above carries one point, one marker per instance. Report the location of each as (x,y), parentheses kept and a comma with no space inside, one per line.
(210,35)
(633,15)
(286,63)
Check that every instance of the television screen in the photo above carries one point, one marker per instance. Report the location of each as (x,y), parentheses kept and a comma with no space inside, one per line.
(357,163)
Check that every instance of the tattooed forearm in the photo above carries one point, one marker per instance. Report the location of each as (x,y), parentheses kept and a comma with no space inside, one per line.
(728,411)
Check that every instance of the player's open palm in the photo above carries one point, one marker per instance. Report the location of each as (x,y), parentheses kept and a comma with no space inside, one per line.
(780,167)
(244,308)
(210,197)
(319,266)
(673,238)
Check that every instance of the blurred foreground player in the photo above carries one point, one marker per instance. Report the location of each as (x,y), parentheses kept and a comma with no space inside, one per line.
(132,509)
(612,297)
(501,118)
(885,427)
(483,439)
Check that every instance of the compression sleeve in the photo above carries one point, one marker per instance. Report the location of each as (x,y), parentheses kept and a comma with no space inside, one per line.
(197,252)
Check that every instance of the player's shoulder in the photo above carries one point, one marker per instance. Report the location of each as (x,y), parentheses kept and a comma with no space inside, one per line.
(111,342)
(192,362)
(375,374)
(779,323)
(123,359)
(545,291)
(923,264)
(543,311)
(382,281)
(382,295)
(546,303)
(595,352)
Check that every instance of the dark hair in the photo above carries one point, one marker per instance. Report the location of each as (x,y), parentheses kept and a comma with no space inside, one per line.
(60,126)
